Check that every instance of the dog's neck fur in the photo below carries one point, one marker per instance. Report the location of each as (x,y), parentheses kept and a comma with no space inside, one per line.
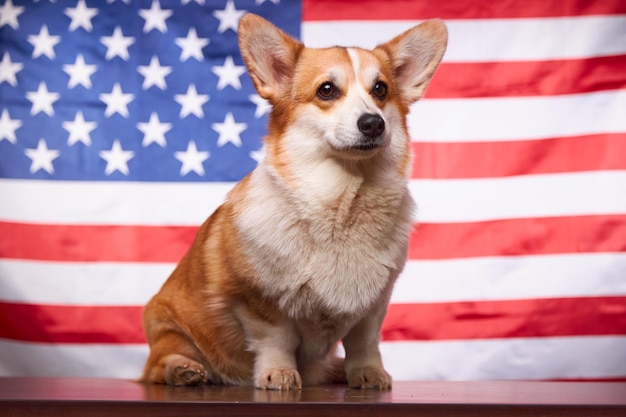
(326,184)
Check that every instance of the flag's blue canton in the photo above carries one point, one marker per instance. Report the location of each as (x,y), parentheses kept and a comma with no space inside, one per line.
(130,90)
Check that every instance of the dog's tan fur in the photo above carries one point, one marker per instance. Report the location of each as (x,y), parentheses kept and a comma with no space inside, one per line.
(305,250)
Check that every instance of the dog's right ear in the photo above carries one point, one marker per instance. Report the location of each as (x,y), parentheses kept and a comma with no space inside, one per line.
(414,56)
(270,55)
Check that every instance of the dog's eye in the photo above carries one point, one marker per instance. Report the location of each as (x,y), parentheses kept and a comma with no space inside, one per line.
(327,91)
(380,90)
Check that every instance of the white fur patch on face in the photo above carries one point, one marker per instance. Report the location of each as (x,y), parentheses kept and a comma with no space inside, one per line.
(356,62)
(356,66)
(370,74)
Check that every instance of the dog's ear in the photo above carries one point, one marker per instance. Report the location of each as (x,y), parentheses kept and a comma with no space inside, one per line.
(270,55)
(415,55)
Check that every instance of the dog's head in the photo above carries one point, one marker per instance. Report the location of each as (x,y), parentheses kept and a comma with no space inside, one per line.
(344,103)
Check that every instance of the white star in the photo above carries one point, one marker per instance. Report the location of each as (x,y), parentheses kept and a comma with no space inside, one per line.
(192,159)
(9,14)
(116,101)
(155,17)
(42,100)
(79,130)
(79,72)
(8,127)
(41,157)
(81,16)
(117,44)
(229,17)
(229,131)
(117,159)
(191,102)
(229,74)
(258,156)
(154,131)
(262,106)
(9,70)
(191,46)
(154,74)
(124,1)
(200,2)
(44,43)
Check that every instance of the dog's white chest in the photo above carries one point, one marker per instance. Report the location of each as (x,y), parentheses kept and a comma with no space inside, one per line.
(313,264)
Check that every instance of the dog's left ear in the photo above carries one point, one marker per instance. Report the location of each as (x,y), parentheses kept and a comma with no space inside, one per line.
(270,55)
(414,57)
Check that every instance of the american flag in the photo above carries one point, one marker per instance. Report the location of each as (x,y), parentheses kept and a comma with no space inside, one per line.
(124,123)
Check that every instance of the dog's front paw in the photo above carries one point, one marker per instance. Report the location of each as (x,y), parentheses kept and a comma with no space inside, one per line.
(180,370)
(281,379)
(369,377)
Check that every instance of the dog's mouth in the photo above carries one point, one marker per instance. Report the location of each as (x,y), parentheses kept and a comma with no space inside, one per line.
(365,147)
(359,147)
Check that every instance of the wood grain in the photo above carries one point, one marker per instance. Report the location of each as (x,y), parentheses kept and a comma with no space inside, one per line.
(69,397)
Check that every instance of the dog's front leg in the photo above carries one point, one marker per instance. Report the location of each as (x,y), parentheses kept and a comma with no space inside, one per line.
(364,365)
(275,364)
(274,346)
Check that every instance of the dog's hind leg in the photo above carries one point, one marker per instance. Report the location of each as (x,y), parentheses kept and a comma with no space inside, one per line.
(327,370)
(173,361)
(180,370)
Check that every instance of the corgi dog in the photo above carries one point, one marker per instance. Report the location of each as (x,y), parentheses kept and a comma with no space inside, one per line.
(304,252)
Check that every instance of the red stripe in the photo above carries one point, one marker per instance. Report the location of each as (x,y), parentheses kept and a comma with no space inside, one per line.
(593,316)
(94,243)
(71,324)
(500,159)
(614,379)
(462,9)
(434,321)
(528,78)
(532,236)
(509,237)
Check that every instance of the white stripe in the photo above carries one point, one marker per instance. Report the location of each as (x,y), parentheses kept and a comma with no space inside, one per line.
(72,360)
(457,200)
(483,40)
(75,283)
(478,279)
(518,118)
(545,358)
(509,278)
(464,200)
(534,359)
(124,203)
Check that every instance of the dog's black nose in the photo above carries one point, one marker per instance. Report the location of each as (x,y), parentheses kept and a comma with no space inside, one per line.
(371,125)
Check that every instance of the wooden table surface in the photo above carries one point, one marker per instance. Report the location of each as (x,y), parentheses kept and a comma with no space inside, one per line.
(112,397)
